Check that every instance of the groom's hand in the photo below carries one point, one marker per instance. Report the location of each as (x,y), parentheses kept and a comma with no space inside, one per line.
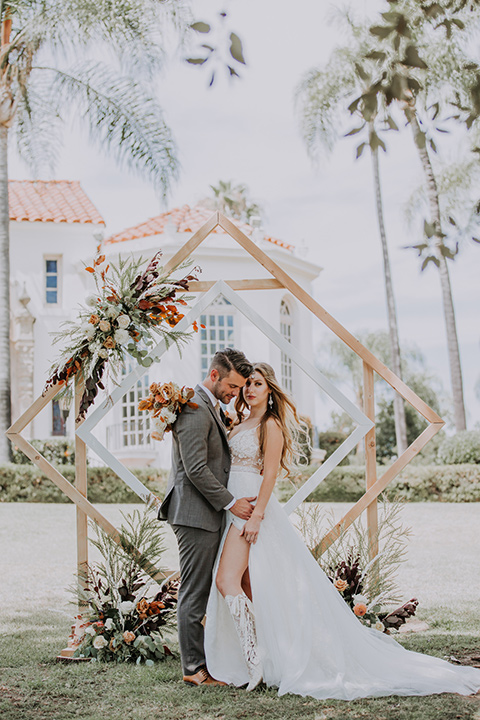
(243,508)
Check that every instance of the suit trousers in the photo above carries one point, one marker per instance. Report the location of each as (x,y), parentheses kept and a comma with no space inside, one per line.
(197,550)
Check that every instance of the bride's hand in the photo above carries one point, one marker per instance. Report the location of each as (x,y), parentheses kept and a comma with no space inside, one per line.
(251,528)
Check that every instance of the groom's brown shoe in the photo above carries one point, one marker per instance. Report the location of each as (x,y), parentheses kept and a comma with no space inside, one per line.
(202,677)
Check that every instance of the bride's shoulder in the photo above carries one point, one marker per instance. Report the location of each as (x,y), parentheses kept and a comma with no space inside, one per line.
(273,427)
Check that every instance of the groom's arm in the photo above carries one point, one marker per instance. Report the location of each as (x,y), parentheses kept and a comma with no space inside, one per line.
(192,430)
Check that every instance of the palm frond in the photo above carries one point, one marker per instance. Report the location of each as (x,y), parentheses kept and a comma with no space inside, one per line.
(122,118)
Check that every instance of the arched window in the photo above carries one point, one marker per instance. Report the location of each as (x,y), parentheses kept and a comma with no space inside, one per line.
(219,331)
(286,326)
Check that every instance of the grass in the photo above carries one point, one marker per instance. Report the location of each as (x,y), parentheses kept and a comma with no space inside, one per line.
(33,686)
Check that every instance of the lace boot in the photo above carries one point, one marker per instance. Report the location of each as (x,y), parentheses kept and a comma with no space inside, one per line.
(241,611)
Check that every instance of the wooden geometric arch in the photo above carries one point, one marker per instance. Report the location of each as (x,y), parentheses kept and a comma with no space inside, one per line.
(280,279)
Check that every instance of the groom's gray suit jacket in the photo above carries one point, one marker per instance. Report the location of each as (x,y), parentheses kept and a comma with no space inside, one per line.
(196,492)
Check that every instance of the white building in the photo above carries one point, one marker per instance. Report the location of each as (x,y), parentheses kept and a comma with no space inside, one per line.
(49,252)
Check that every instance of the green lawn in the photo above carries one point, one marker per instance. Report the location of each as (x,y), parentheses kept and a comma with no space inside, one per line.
(34,686)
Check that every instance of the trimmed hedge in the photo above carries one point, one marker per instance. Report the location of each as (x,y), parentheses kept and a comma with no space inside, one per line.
(420,483)
(26,483)
(464,447)
(442,483)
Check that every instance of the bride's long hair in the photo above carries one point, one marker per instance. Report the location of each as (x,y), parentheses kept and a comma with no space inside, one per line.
(282,408)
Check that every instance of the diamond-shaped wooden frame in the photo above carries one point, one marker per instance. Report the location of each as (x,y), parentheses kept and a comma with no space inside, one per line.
(365,421)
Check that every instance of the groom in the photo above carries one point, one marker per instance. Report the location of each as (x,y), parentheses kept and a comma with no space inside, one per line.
(197,497)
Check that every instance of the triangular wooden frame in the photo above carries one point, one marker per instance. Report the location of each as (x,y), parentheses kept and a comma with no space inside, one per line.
(280,279)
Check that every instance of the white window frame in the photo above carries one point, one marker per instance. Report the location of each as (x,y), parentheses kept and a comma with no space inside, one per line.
(219,331)
(58,259)
(135,424)
(286,331)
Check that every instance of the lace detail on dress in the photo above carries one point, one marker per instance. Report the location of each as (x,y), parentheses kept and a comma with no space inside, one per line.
(246,451)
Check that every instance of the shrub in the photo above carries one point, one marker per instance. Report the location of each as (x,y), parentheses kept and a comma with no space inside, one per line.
(330,441)
(26,483)
(421,483)
(464,447)
(58,451)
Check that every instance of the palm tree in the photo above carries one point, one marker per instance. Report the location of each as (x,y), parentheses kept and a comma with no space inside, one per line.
(49,73)
(233,201)
(442,75)
(324,97)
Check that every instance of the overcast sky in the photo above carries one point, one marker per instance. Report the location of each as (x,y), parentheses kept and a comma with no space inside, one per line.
(247,131)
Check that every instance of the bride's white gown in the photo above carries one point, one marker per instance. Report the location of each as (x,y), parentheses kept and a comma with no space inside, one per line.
(309,640)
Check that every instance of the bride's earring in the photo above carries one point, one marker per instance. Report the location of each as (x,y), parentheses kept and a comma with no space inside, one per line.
(270,401)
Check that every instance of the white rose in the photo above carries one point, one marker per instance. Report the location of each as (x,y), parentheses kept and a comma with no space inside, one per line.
(111,312)
(379,626)
(90,331)
(103,353)
(108,624)
(99,642)
(123,321)
(91,300)
(168,416)
(90,630)
(121,337)
(360,599)
(126,606)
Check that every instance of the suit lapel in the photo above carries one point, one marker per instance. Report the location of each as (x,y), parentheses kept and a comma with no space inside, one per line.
(211,409)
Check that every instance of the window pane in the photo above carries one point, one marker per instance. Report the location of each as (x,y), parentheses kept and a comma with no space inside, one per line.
(212,319)
(52,297)
(51,266)
(230,320)
(51,281)
(221,320)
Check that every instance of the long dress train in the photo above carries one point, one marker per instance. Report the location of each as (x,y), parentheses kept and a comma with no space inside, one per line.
(309,641)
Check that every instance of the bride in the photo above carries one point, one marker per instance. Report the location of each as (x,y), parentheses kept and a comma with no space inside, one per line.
(272,614)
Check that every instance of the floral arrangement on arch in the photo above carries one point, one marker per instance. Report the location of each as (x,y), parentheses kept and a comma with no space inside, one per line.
(165,402)
(121,620)
(367,585)
(126,314)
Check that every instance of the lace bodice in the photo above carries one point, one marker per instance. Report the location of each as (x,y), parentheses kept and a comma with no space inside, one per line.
(246,451)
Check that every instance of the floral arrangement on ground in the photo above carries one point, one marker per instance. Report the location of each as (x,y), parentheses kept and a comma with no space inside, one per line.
(125,617)
(127,314)
(367,585)
(164,404)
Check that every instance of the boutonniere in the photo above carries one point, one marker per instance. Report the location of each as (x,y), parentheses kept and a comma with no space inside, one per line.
(227,419)
(164,404)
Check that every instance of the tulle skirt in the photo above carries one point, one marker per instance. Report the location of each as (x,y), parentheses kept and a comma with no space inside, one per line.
(309,640)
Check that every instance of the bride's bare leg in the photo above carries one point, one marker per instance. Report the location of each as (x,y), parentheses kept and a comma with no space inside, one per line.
(247,588)
(233,563)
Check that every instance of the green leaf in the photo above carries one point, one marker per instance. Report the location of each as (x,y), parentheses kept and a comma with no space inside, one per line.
(146,362)
(452,221)
(459,23)
(391,123)
(355,131)
(201,27)
(420,140)
(475,239)
(413,59)
(376,55)
(354,105)
(381,31)
(360,150)
(236,50)
(432,145)
(149,662)
(361,72)
(436,109)
(196,61)
(428,229)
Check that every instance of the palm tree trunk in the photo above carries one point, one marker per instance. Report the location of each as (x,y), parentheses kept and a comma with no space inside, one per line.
(398,403)
(5,406)
(448,309)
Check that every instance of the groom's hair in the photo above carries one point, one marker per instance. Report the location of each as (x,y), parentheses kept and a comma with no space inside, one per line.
(229,359)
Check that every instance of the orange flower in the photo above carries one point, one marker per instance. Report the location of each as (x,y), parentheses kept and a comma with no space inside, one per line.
(109,342)
(360,609)
(128,636)
(195,326)
(94,319)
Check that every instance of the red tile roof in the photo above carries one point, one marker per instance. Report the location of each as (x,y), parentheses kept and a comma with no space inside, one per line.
(51,201)
(183,220)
